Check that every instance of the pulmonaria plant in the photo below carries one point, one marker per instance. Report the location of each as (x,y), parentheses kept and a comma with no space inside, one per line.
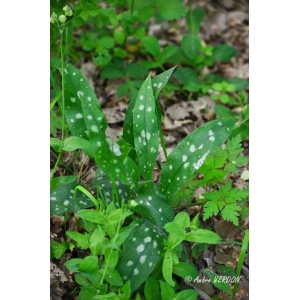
(126,192)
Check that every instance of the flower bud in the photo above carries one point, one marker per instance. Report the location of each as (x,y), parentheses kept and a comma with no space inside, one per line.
(62,18)
(53,18)
(68,11)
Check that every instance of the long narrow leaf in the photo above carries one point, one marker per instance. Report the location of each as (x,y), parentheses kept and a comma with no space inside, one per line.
(190,154)
(145,129)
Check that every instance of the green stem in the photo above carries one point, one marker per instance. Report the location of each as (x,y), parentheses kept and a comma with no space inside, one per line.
(62,102)
(132,6)
(241,260)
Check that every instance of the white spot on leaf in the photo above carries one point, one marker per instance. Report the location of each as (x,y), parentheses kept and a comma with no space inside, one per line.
(142,259)
(192,148)
(140,248)
(95,128)
(79,116)
(79,93)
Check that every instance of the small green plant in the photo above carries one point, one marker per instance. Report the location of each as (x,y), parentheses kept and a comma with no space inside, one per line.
(221,196)
(241,108)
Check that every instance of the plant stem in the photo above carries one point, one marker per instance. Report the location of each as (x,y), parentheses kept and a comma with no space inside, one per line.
(132,6)
(62,102)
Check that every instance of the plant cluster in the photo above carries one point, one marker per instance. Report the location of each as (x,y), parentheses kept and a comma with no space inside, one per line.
(115,32)
(134,241)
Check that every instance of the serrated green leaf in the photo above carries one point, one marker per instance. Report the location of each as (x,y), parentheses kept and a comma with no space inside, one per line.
(190,154)
(61,200)
(151,44)
(152,205)
(141,253)
(191,45)
(145,129)
(203,236)
(210,209)
(230,213)
(170,9)
(90,10)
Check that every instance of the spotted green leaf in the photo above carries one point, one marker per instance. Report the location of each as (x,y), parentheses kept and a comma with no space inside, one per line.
(158,83)
(128,122)
(59,181)
(191,152)
(61,200)
(114,161)
(145,129)
(141,253)
(153,205)
(82,109)
(104,187)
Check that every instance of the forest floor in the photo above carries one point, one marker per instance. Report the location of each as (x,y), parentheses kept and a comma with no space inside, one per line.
(226,21)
